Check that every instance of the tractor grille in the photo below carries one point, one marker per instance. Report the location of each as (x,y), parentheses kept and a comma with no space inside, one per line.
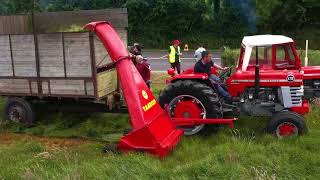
(291,96)
(296,95)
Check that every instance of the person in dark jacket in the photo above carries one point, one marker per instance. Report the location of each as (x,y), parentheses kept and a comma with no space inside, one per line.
(204,66)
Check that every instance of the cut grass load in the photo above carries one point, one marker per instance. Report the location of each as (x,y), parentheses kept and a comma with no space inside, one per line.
(68,145)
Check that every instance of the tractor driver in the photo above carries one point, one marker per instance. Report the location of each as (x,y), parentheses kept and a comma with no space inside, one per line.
(204,66)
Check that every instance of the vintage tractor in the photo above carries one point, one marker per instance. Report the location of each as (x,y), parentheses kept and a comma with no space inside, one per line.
(267,81)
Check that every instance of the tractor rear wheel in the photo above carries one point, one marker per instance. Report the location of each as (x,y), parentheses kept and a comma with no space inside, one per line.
(287,124)
(190,99)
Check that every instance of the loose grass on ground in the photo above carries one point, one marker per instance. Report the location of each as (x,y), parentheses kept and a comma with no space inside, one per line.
(68,146)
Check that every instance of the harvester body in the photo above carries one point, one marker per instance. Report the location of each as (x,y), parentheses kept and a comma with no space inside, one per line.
(152,129)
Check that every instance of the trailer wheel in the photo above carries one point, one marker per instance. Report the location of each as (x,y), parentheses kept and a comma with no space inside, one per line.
(287,124)
(190,99)
(19,110)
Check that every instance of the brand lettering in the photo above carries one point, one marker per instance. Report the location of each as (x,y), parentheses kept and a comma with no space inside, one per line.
(149,105)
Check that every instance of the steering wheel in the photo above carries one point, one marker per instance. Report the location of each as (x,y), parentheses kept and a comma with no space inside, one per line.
(226,73)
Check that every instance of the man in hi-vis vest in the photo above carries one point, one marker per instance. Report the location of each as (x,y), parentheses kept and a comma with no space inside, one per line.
(174,56)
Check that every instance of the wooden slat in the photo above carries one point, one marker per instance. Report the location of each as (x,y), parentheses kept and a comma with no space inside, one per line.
(106,83)
(14,86)
(51,55)
(5,56)
(90,88)
(67,87)
(45,87)
(23,52)
(34,87)
(77,54)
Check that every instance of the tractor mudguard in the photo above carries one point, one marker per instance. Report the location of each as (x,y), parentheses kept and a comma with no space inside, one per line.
(153,131)
(199,76)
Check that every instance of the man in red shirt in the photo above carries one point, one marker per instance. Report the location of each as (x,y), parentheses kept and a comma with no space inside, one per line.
(143,68)
(141,63)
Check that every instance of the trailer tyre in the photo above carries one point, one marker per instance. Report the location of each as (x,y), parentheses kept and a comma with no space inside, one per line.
(19,110)
(287,124)
(191,99)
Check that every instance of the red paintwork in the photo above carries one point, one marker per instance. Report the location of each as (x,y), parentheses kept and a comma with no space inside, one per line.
(304,109)
(311,72)
(153,130)
(240,80)
(188,74)
(194,121)
(187,107)
(171,72)
(286,129)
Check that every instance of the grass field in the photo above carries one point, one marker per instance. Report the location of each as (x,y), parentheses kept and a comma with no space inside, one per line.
(68,146)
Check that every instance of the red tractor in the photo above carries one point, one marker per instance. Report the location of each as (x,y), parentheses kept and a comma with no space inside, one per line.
(267,81)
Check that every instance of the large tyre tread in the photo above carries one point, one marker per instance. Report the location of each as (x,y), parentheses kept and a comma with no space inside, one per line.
(287,116)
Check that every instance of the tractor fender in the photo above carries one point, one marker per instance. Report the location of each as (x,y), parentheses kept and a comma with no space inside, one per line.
(197,77)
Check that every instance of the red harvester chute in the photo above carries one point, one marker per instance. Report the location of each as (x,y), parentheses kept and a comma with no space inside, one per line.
(153,130)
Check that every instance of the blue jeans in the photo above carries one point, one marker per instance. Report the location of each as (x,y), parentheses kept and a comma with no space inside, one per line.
(216,82)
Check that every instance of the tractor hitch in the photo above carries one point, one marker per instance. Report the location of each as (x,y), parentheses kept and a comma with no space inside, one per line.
(193,122)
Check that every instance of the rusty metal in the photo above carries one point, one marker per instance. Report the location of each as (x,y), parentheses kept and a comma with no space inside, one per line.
(93,63)
(64,56)
(36,48)
(11,55)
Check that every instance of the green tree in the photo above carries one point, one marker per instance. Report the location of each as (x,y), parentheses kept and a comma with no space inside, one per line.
(10,7)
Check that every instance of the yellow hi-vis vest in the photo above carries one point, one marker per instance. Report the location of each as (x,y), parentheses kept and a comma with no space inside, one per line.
(172,55)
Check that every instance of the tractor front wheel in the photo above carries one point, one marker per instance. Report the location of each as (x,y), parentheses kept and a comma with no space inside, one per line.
(287,124)
(190,99)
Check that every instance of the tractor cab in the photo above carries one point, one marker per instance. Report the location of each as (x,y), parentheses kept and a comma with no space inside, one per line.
(271,52)
(266,61)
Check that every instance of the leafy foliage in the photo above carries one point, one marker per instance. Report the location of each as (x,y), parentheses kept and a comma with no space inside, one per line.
(155,23)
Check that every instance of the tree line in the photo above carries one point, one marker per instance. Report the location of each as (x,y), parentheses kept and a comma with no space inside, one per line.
(210,22)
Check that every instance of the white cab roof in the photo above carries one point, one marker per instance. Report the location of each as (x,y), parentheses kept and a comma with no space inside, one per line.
(265,40)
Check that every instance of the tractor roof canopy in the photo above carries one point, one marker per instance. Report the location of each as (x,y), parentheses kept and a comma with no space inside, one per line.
(274,51)
(265,40)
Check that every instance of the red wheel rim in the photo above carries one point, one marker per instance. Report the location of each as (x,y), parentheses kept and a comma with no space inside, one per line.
(187,109)
(186,106)
(287,129)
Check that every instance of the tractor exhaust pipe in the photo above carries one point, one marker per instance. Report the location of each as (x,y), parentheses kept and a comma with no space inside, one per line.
(306,59)
(153,131)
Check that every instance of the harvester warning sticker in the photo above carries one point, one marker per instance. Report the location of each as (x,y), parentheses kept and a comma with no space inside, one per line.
(144,94)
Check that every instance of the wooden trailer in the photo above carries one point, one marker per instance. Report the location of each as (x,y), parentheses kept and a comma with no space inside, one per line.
(54,66)
(41,61)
